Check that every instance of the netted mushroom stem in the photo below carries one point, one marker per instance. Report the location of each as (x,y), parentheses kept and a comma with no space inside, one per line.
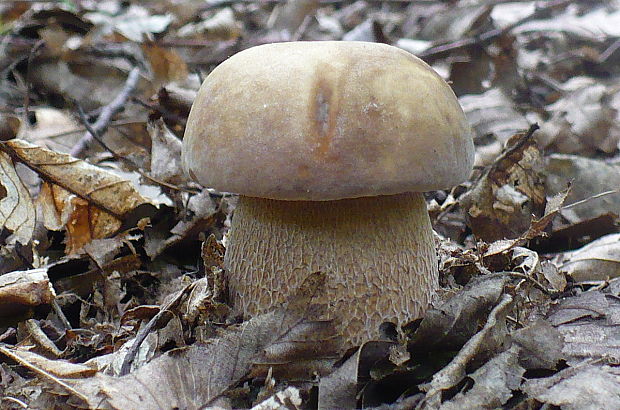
(378,254)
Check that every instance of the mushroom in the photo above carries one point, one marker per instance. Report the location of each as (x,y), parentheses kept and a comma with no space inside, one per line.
(329,145)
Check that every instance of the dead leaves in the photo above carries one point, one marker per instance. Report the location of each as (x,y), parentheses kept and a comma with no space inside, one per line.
(501,203)
(17,212)
(23,291)
(197,376)
(89,202)
(597,261)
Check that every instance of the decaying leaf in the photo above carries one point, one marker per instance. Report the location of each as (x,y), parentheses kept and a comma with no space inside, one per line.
(493,383)
(589,177)
(598,260)
(203,209)
(491,113)
(221,26)
(590,326)
(503,200)
(288,399)
(165,153)
(540,345)
(88,201)
(196,376)
(340,389)
(588,386)
(134,22)
(167,66)
(450,325)
(54,129)
(9,127)
(23,291)
(583,121)
(17,212)
(537,227)
(490,339)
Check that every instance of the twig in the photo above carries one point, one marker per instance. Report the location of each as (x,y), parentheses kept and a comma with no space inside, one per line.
(599,195)
(33,52)
(115,106)
(97,137)
(157,322)
(61,315)
(488,36)
(227,3)
(536,283)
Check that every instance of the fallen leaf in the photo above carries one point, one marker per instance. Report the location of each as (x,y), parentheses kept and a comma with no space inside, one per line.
(167,66)
(88,201)
(587,386)
(17,212)
(490,339)
(598,260)
(134,22)
(492,113)
(453,323)
(588,178)
(502,203)
(165,153)
(583,120)
(493,384)
(22,291)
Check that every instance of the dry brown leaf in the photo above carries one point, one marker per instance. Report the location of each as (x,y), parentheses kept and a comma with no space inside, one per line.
(165,153)
(291,15)
(93,86)
(583,120)
(599,260)
(537,228)
(22,291)
(588,386)
(589,178)
(589,324)
(455,22)
(17,212)
(340,388)
(9,127)
(494,384)
(221,26)
(492,113)
(452,324)
(541,345)
(203,209)
(287,399)
(87,200)
(167,65)
(196,376)
(502,202)
(56,368)
(490,339)
(133,22)
(54,129)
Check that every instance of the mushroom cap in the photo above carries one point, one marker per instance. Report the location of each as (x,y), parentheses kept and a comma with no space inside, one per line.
(324,121)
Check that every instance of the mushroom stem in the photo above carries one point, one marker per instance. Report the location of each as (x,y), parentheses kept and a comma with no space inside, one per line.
(378,254)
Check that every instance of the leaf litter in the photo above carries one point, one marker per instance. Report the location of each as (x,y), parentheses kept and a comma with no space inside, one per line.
(112,281)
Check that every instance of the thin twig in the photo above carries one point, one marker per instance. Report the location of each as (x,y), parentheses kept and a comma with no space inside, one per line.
(61,315)
(157,322)
(33,52)
(488,36)
(97,137)
(599,195)
(115,106)
(528,278)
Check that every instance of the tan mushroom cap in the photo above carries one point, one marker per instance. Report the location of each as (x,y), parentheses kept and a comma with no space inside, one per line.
(324,121)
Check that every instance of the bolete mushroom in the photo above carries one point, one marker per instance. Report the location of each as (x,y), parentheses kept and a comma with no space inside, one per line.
(329,145)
